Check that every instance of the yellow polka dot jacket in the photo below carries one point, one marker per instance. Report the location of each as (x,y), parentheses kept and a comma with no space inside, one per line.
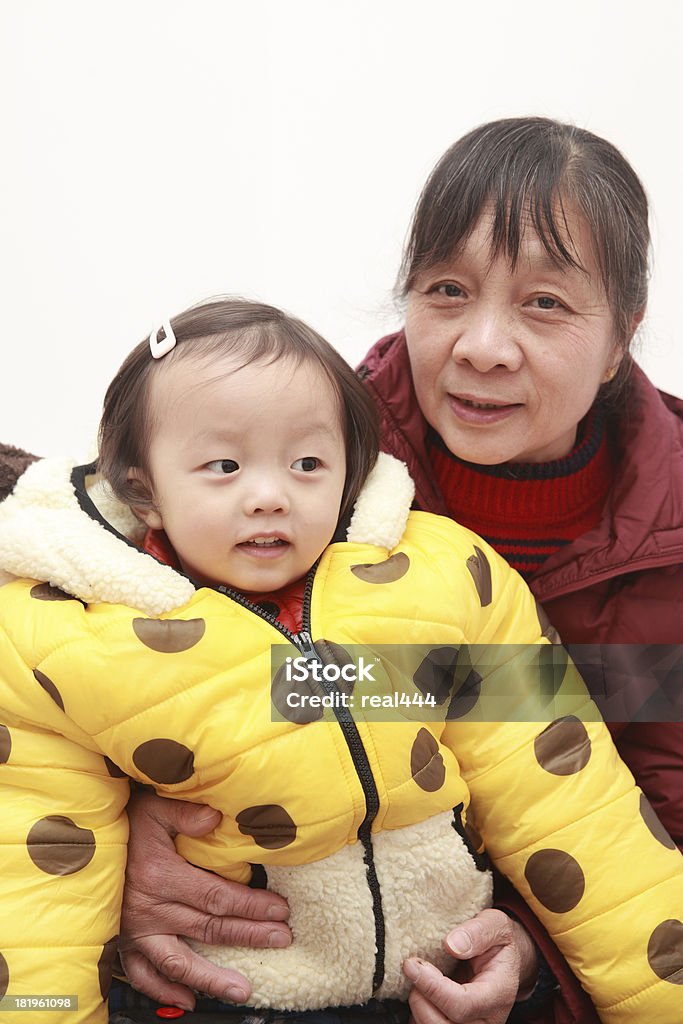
(114,665)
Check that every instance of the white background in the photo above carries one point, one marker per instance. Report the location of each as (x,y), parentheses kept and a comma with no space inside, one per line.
(155,152)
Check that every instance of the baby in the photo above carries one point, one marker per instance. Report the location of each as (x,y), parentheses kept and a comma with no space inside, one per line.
(248,449)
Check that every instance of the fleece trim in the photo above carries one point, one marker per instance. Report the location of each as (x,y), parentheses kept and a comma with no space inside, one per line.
(333,952)
(45,535)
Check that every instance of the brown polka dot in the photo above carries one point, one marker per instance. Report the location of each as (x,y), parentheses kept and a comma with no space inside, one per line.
(164,761)
(4,975)
(49,688)
(388,571)
(113,769)
(665,951)
(426,763)
(480,570)
(654,824)
(105,965)
(269,826)
(555,879)
(169,636)
(45,592)
(465,697)
(547,628)
(564,747)
(5,744)
(58,846)
(435,675)
(552,668)
(300,711)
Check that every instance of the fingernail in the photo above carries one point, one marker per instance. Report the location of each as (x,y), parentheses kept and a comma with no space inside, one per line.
(416,968)
(237,995)
(278,940)
(460,942)
(205,818)
(411,969)
(277,912)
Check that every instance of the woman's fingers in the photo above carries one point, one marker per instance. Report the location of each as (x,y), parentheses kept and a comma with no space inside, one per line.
(144,977)
(166,894)
(165,897)
(435,998)
(424,1012)
(494,948)
(165,968)
(492,940)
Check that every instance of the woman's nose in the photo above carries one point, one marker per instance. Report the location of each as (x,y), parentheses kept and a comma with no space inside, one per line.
(486,339)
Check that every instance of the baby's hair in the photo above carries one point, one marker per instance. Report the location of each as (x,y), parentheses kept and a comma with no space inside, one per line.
(253,333)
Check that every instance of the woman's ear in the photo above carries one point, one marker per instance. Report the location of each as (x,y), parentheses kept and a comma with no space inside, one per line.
(637,320)
(620,350)
(145,511)
(611,371)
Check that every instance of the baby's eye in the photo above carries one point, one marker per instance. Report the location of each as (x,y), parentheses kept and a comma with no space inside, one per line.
(223,466)
(307,464)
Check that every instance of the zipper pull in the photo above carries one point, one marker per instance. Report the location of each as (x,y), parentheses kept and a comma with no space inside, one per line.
(304,642)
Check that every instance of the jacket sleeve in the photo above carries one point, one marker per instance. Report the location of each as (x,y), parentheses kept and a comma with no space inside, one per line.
(63,844)
(70,658)
(562,818)
(13,462)
(654,753)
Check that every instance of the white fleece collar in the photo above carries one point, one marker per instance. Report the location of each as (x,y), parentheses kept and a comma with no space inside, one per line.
(45,535)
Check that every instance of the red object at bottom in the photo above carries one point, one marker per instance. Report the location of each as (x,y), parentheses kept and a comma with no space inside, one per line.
(170,1012)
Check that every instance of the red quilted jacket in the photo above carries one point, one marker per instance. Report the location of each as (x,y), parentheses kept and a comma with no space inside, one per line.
(621,583)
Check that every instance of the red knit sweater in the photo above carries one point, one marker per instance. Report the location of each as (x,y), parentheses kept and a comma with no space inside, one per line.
(526,511)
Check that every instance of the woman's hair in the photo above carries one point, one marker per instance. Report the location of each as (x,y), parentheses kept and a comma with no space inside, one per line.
(533,169)
(251,333)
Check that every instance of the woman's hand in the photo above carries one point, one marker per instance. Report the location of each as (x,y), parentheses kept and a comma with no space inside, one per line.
(501,963)
(165,897)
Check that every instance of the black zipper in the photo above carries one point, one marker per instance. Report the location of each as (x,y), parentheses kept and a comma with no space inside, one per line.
(303,641)
(367,780)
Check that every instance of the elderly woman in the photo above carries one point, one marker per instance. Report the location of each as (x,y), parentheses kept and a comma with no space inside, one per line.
(511,396)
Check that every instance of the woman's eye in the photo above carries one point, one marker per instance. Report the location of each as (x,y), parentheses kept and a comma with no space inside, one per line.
(547,302)
(223,466)
(306,465)
(450,290)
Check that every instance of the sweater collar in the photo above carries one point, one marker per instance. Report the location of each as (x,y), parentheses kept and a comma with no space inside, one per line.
(62,525)
(528,511)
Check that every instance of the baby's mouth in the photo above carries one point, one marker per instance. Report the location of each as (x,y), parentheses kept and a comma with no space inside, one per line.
(263,542)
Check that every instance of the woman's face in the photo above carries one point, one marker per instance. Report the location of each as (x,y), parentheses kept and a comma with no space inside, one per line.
(507,362)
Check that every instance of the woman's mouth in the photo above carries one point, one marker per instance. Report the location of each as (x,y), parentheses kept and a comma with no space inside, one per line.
(481,411)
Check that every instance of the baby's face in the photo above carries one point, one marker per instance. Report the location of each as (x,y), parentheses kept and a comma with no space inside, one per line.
(247,468)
